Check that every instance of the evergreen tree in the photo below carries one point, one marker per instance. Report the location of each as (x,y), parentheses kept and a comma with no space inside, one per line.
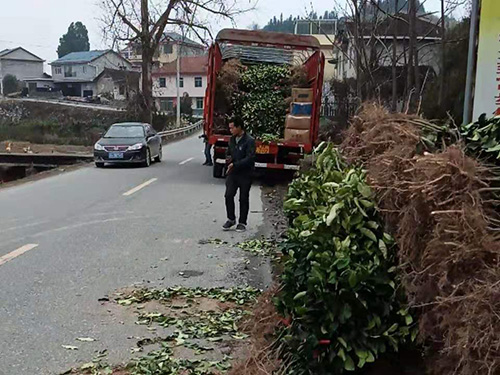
(75,40)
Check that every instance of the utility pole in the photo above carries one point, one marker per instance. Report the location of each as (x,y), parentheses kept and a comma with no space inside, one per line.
(179,49)
(467,115)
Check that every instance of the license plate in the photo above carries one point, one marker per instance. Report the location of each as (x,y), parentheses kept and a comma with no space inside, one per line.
(115,155)
(262,149)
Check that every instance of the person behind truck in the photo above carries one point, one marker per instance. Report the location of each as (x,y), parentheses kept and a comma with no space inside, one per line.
(240,165)
(207,151)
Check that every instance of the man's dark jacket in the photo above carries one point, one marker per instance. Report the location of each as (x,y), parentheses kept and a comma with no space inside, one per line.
(242,154)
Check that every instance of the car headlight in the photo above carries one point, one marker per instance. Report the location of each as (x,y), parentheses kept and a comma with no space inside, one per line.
(137,146)
(98,147)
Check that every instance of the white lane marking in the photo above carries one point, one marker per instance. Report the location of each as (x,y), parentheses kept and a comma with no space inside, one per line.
(141,186)
(79,225)
(23,226)
(4,259)
(185,161)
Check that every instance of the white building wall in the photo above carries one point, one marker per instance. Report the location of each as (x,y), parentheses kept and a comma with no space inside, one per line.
(21,69)
(170,90)
(428,54)
(81,73)
(110,60)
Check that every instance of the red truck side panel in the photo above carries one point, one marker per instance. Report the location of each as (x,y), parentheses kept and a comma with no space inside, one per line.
(214,65)
(315,70)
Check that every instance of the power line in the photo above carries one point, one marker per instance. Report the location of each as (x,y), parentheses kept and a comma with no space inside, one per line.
(25,44)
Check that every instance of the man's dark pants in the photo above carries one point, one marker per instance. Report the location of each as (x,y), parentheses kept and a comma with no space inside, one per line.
(208,155)
(243,182)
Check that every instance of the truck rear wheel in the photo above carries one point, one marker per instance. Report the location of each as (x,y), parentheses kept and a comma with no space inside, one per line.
(218,170)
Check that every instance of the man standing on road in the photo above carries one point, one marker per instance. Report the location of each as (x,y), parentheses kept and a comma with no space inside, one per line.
(241,162)
(207,151)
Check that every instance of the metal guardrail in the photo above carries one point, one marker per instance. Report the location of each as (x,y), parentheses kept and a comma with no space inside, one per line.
(170,134)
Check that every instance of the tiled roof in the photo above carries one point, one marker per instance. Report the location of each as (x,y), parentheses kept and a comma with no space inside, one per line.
(176,37)
(79,57)
(188,64)
(5,51)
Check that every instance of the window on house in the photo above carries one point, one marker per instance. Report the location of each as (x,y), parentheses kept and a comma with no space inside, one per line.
(122,89)
(327,28)
(163,82)
(163,105)
(303,28)
(168,49)
(198,82)
(68,71)
(170,105)
(181,82)
(315,28)
(58,70)
(84,69)
(199,103)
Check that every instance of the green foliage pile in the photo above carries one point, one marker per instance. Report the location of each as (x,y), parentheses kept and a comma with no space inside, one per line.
(261,100)
(340,286)
(482,138)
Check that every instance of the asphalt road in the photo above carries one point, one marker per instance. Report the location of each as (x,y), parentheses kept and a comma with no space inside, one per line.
(76,237)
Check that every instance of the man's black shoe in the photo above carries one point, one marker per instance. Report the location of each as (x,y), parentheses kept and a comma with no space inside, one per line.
(229,225)
(241,227)
(210,164)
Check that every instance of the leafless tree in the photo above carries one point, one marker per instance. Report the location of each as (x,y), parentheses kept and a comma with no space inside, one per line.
(143,22)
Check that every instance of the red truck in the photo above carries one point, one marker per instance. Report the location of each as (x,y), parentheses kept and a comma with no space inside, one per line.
(262,46)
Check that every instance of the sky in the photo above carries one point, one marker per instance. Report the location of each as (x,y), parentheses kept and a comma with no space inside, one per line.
(37,25)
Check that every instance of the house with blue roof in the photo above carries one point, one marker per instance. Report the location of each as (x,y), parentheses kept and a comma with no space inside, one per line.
(77,73)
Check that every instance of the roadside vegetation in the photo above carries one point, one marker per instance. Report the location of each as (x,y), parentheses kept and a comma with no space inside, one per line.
(391,247)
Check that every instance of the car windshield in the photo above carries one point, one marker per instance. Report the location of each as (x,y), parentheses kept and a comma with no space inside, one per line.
(120,131)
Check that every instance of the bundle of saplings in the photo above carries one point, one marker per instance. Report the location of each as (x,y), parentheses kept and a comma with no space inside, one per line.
(260,94)
(340,288)
(261,101)
(226,87)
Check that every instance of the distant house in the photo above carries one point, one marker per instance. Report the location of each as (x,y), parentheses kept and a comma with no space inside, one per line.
(117,84)
(381,38)
(193,81)
(20,63)
(76,73)
(45,83)
(171,45)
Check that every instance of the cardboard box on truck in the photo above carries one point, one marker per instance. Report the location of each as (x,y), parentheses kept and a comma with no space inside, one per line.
(297,135)
(298,122)
(302,95)
(301,109)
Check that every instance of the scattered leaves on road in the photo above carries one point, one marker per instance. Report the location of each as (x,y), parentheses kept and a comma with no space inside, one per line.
(70,347)
(85,339)
(212,241)
(262,247)
(203,327)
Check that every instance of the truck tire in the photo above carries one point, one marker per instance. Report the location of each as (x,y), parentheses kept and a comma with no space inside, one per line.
(218,170)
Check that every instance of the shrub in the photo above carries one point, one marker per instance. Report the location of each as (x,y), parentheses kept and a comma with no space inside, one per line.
(340,285)
(10,84)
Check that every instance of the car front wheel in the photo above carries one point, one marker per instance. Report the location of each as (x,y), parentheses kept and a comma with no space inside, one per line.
(99,165)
